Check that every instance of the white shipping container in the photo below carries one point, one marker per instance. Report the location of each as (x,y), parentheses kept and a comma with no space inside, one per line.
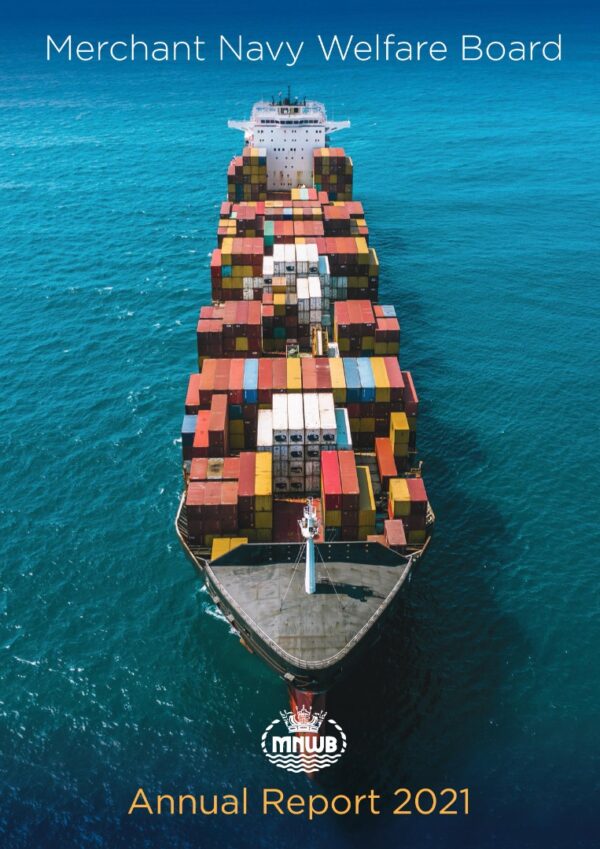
(278,259)
(280,418)
(312,468)
(327,417)
(314,292)
(295,417)
(296,483)
(312,451)
(269,265)
(302,259)
(290,257)
(313,258)
(312,420)
(264,430)
(302,290)
(296,452)
(313,483)
(280,484)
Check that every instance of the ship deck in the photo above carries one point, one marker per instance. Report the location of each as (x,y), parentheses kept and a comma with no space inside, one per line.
(265,586)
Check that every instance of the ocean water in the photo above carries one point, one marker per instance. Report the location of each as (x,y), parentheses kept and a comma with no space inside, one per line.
(481,192)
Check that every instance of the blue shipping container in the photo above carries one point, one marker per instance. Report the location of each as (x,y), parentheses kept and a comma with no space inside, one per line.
(367,380)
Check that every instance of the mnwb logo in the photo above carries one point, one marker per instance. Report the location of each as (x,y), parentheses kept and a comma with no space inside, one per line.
(303,742)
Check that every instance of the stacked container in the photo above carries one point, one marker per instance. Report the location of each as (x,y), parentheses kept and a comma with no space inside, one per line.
(212,510)
(332,172)
(297,370)
(408,502)
(387,331)
(354,327)
(231,329)
(247,175)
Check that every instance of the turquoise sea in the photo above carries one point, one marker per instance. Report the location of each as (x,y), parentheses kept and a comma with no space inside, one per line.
(481,191)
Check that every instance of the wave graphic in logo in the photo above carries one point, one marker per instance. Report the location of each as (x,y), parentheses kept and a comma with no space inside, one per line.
(303,741)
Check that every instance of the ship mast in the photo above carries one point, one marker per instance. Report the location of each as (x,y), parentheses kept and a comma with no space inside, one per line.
(309,527)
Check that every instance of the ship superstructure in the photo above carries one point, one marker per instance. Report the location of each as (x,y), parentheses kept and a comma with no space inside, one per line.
(304,507)
(288,130)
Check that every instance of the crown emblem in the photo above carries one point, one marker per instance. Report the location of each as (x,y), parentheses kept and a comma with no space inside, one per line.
(303,720)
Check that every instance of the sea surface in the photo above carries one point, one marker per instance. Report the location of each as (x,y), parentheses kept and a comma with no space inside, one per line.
(116,671)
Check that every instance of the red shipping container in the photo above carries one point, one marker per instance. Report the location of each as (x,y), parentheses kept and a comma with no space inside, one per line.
(247,475)
(200,445)
(231,469)
(385,461)
(195,494)
(331,480)
(418,496)
(395,535)
(192,398)
(280,375)
(218,426)
(349,481)
(323,374)
(236,382)
(265,380)
(206,382)
(309,374)
(395,378)
(199,469)
(411,399)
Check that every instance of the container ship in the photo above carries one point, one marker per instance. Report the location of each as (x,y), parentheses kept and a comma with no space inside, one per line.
(303,507)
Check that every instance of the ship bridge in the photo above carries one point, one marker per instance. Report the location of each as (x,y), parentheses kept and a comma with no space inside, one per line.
(289,130)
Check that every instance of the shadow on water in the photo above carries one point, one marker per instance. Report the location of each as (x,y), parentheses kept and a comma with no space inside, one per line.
(418,700)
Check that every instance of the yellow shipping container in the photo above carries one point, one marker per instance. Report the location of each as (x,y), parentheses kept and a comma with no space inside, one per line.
(367,424)
(241,343)
(220,546)
(338,379)
(344,344)
(399,429)
(263,534)
(363,250)
(294,374)
(236,426)
(236,441)
(263,486)
(382,381)
(416,537)
(263,519)
(333,518)
(366,499)
(399,498)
